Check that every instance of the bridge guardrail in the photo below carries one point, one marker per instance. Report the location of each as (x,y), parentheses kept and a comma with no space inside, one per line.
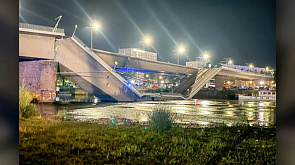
(89,51)
(40,27)
(237,70)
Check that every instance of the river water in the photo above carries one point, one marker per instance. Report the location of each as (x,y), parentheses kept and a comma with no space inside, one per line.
(199,112)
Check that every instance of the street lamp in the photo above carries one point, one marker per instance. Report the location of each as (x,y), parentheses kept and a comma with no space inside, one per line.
(206,59)
(250,66)
(95,26)
(230,61)
(147,40)
(180,50)
(74,30)
(206,56)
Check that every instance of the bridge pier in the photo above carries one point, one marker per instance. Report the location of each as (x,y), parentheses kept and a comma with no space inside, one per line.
(40,78)
(219,82)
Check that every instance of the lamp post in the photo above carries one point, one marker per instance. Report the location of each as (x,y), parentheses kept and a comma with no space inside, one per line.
(180,50)
(205,56)
(146,41)
(250,66)
(75,30)
(95,26)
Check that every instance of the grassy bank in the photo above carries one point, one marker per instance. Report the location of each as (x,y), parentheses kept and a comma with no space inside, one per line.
(43,141)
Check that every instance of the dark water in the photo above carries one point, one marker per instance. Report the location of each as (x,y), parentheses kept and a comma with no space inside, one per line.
(201,112)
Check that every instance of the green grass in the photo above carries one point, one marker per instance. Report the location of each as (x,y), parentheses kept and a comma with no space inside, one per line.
(43,141)
(26,108)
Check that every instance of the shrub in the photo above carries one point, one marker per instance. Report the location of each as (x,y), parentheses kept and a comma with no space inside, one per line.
(161,118)
(26,108)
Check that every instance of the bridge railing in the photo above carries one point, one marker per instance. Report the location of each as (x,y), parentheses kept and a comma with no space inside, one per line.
(253,73)
(40,27)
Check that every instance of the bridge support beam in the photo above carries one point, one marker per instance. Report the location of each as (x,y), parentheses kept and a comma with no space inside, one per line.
(219,82)
(40,78)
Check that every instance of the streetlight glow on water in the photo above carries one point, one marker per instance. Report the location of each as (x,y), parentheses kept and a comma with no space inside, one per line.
(188,112)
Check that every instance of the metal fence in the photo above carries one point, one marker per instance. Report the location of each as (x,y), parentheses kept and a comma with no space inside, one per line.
(39,27)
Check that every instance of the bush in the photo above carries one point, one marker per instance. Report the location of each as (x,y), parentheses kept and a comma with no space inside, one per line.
(162,119)
(26,108)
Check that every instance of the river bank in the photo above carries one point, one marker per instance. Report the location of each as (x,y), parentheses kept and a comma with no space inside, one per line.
(47,141)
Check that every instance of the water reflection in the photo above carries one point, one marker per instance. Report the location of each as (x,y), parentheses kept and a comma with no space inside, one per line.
(202,112)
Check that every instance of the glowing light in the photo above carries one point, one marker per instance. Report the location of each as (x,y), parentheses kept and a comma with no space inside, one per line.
(160,77)
(261,82)
(95,100)
(250,82)
(206,56)
(272,82)
(147,40)
(251,65)
(132,81)
(261,104)
(162,81)
(146,75)
(181,49)
(228,82)
(267,68)
(230,61)
(96,26)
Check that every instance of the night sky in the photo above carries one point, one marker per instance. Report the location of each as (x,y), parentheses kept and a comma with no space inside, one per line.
(240,29)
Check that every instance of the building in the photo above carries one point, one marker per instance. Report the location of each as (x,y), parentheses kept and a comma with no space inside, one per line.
(198,64)
(135,52)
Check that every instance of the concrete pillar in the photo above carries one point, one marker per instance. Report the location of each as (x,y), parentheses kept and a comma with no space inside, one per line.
(219,82)
(40,78)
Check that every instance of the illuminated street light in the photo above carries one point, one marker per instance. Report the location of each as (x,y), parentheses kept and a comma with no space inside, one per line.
(160,77)
(146,41)
(230,61)
(206,56)
(180,50)
(95,26)
(267,68)
(250,66)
